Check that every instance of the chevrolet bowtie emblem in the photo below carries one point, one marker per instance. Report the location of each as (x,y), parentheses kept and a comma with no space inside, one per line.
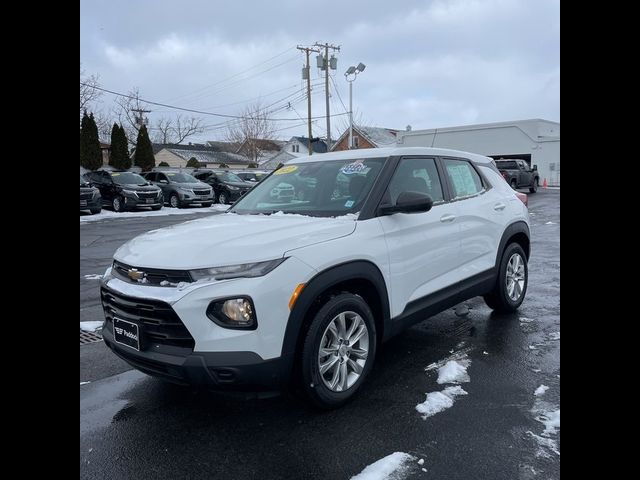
(135,274)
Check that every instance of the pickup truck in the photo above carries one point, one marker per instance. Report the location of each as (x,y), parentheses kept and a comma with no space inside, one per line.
(519,174)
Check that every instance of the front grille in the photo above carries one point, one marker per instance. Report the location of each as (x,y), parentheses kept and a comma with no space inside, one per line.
(157,321)
(201,192)
(86,196)
(152,276)
(147,194)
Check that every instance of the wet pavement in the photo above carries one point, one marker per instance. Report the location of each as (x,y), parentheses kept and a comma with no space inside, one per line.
(134,426)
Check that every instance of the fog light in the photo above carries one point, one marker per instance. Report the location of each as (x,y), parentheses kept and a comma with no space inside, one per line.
(233,313)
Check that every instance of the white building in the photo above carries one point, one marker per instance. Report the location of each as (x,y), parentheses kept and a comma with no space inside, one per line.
(536,141)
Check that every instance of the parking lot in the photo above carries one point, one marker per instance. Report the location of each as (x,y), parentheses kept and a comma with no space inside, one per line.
(134,426)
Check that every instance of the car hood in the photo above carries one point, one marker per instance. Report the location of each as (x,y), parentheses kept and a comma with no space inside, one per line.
(229,239)
(242,185)
(200,185)
(139,188)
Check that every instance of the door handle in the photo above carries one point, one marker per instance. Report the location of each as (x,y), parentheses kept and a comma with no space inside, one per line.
(447,218)
(499,207)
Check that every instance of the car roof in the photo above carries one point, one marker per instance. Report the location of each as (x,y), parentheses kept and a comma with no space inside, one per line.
(361,153)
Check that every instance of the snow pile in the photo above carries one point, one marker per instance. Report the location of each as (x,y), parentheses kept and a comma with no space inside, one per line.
(93,277)
(91,326)
(554,336)
(526,320)
(107,214)
(550,223)
(454,371)
(544,443)
(540,390)
(394,464)
(551,422)
(437,402)
(549,416)
(459,355)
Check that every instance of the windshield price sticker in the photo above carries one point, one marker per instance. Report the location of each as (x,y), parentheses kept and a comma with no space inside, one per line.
(284,170)
(355,167)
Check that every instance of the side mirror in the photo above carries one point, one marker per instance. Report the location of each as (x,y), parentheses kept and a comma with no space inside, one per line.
(408,202)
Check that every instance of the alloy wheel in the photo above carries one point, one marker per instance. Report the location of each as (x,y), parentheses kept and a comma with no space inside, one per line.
(515,278)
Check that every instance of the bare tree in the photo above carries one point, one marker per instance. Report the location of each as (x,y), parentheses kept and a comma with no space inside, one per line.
(178,129)
(88,90)
(254,126)
(128,118)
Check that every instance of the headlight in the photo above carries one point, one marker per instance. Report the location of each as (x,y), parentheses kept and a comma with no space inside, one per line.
(245,270)
(129,192)
(236,313)
(231,187)
(187,191)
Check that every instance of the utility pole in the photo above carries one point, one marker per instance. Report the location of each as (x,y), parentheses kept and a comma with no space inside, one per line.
(139,119)
(325,64)
(305,74)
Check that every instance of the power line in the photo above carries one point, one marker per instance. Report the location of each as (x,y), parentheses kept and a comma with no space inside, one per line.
(193,110)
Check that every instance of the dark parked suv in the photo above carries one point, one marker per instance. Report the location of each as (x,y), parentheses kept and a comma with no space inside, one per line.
(89,197)
(228,187)
(181,189)
(124,190)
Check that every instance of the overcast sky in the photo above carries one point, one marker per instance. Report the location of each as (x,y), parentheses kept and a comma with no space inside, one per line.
(429,63)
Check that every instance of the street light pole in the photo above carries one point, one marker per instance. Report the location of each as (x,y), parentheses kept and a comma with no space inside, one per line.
(354,71)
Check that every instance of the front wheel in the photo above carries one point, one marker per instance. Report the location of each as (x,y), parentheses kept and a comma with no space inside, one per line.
(338,351)
(222,198)
(118,204)
(534,187)
(174,201)
(514,184)
(511,286)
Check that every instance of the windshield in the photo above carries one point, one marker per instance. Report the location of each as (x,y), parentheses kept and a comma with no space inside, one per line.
(182,178)
(82,180)
(128,178)
(229,177)
(322,189)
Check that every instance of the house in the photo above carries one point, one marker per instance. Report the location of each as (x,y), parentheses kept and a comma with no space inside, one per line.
(300,145)
(179,155)
(258,149)
(366,137)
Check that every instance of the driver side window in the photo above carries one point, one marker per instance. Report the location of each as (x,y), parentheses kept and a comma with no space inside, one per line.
(415,175)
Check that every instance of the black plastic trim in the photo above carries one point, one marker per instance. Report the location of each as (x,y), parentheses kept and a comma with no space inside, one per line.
(514,228)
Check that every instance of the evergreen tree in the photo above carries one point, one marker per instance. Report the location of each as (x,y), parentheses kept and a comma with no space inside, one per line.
(90,153)
(114,158)
(163,164)
(144,151)
(193,162)
(123,147)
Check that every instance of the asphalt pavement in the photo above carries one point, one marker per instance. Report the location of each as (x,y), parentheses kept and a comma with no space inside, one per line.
(134,426)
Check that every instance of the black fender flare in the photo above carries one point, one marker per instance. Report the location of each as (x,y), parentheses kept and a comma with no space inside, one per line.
(511,230)
(321,282)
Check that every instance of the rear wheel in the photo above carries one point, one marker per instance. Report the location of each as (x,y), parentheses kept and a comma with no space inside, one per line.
(511,286)
(338,351)
(534,187)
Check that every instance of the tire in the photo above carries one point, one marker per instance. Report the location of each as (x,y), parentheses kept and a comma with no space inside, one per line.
(534,188)
(317,385)
(514,184)
(95,211)
(174,201)
(207,205)
(118,204)
(500,299)
(222,198)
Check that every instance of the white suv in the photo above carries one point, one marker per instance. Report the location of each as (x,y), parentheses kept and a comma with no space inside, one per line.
(283,291)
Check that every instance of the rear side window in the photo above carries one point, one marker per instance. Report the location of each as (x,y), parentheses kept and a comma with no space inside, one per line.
(463,178)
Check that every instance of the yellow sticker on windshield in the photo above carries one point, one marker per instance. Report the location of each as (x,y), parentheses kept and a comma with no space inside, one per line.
(171,174)
(289,169)
(115,174)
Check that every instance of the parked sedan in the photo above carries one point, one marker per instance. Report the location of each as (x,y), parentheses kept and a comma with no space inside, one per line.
(228,187)
(124,190)
(181,189)
(90,198)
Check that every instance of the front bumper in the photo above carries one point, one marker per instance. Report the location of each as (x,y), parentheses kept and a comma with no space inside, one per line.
(218,370)
(131,202)
(91,203)
(195,200)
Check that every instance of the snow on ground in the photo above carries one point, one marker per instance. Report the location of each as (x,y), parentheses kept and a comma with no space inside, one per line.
(540,390)
(548,415)
(554,336)
(84,383)
(454,371)
(550,223)
(395,464)
(550,420)
(526,320)
(437,402)
(95,276)
(459,355)
(544,444)
(91,326)
(108,214)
